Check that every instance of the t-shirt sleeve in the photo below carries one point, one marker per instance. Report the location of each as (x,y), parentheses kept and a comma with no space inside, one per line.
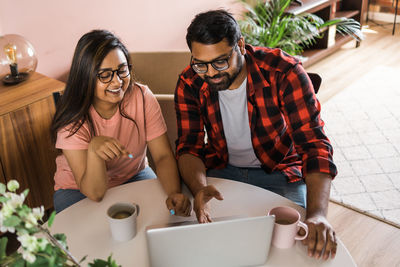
(79,140)
(155,124)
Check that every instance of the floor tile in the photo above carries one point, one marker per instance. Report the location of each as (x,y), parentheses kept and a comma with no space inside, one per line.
(387,199)
(362,126)
(356,152)
(348,186)
(366,166)
(376,183)
(388,123)
(362,201)
(375,137)
(392,135)
(390,164)
(383,150)
(344,169)
(393,215)
(395,178)
(348,139)
(338,155)
(380,115)
(338,127)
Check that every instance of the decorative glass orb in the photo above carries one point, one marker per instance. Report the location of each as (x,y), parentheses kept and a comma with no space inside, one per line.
(17,59)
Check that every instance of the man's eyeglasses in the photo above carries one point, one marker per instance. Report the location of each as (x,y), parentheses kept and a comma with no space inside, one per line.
(106,76)
(219,64)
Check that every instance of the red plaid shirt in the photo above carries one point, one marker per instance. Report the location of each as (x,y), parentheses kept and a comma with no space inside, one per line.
(284,117)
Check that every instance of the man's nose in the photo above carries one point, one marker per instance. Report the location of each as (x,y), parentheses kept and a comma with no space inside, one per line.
(211,72)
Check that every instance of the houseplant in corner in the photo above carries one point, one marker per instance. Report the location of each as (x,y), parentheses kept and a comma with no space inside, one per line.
(267,23)
(38,246)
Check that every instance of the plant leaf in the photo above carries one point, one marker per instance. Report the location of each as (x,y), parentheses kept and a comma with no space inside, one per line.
(3,199)
(2,188)
(26,192)
(266,23)
(12,221)
(3,246)
(51,219)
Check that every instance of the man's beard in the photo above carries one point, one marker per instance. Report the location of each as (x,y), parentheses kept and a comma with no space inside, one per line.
(227,78)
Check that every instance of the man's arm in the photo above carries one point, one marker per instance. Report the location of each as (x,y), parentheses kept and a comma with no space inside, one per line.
(193,174)
(302,112)
(321,234)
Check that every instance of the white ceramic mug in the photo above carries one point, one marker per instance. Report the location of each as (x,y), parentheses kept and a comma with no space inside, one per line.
(287,224)
(122,219)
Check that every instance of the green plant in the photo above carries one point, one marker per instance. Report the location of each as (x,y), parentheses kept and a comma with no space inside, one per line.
(38,246)
(266,23)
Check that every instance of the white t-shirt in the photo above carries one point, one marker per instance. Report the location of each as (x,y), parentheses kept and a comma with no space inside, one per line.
(235,119)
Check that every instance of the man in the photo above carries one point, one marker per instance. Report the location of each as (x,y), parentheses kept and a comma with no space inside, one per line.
(262,120)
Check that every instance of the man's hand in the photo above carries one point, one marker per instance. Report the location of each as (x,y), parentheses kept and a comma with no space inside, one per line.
(179,203)
(201,206)
(321,239)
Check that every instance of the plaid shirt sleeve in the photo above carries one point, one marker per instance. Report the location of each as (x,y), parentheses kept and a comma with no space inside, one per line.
(189,122)
(301,110)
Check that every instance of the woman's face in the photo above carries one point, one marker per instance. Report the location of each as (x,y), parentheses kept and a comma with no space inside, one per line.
(113,79)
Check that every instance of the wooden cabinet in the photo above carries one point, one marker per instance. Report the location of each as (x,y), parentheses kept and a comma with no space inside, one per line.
(329,9)
(26,151)
(2,178)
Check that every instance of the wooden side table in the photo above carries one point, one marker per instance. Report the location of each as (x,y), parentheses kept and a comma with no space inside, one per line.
(26,152)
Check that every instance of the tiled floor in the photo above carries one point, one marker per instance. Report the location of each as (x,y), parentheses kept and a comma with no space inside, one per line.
(363,123)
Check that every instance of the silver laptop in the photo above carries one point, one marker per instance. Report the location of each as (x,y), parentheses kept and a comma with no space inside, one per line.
(224,242)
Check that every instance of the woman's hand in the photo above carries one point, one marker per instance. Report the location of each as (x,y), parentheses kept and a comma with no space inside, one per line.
(179,203)
(107,148)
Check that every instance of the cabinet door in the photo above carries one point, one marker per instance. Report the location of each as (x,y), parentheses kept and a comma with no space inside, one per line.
(26,151)
(2,177)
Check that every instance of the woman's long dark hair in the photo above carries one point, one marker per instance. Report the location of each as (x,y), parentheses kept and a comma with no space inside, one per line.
(73,106)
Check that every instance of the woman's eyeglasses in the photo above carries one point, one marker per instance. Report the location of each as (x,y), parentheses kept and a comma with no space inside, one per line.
(106,76)
(219,64)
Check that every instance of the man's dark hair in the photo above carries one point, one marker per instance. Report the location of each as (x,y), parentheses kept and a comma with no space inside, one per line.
(212,27)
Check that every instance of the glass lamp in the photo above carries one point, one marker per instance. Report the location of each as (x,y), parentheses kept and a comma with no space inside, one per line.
(17,59)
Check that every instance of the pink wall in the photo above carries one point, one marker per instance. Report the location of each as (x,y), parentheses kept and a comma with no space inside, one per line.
(54,27)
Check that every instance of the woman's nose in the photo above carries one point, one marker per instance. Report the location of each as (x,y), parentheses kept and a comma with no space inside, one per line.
(116,79)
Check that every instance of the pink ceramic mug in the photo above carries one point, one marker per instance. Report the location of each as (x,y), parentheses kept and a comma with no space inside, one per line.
(287,224)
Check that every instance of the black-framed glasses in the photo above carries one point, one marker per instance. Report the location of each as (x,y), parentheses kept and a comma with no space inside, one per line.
(106,76)
(219,64)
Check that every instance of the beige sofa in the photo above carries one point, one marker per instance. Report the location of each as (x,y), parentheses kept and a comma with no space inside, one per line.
(160,70)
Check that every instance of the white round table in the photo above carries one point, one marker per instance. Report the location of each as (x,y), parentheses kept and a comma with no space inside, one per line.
(86,226)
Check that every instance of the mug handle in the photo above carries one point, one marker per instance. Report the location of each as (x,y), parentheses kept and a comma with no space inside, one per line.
(137,209)
(305,227)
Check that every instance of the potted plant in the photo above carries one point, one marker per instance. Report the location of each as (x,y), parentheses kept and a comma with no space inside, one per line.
(38,246)
(268,24)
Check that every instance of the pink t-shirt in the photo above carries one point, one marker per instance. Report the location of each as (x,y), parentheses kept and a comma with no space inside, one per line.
(133,138)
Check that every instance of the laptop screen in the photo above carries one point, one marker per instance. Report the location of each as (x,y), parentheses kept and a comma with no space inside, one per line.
(224,242)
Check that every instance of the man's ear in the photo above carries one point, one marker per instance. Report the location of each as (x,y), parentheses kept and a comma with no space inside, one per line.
(241,45)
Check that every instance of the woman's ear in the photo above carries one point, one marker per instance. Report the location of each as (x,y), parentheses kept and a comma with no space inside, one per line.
(241,45)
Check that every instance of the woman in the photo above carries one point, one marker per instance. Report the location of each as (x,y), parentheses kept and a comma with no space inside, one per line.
(104,123)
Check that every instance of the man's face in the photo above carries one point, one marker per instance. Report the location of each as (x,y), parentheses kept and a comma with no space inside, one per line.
(217,54)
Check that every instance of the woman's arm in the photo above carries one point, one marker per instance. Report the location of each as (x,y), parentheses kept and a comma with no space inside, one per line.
(89,167)
(167,173)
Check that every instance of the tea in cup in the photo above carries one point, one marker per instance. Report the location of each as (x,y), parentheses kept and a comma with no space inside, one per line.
(287,224)
(122,219)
